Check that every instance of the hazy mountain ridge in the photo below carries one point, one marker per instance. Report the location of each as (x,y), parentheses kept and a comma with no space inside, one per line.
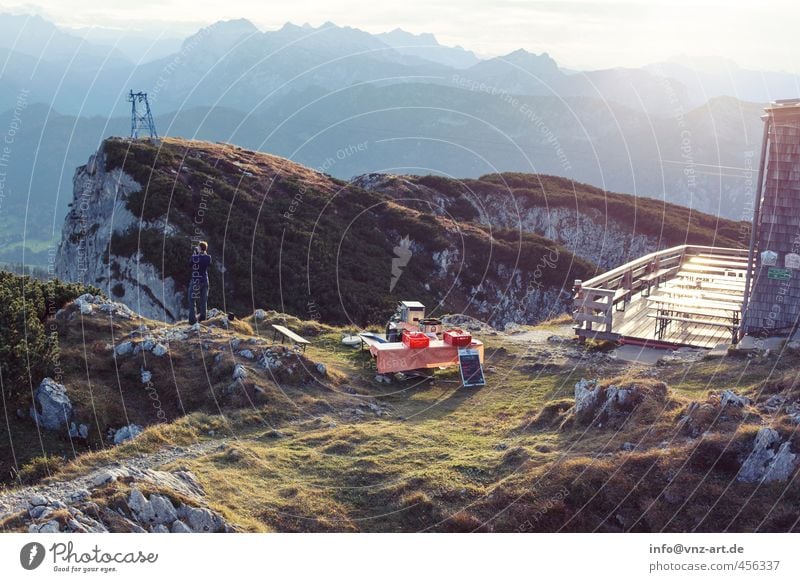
(310,93)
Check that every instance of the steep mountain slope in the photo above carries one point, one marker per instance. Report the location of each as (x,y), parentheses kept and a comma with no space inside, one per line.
(287,237)
(605,228)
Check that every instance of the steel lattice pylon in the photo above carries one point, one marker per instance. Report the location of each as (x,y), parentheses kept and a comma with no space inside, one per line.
(141,117)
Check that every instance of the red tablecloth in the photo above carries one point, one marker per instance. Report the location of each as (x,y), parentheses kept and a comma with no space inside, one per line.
(396,357)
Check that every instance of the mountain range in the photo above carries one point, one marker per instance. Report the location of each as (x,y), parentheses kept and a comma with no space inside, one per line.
(677,131)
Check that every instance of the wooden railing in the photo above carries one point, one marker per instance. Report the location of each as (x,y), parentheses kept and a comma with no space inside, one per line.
(596,299)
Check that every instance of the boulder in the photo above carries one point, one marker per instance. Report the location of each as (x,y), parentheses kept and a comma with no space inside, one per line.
(730,398)
(127,433)
(158,510)
(80,431)
(85,307)
(124,348)
(783,464)
(140,507)
(51,408)
(270,360)
(147,375)
(179,527)
(587,398)
(201,520)
(770,460)
(109,475)
(37,499)
(51,526)
(247,354)
(239,372)
(321,369)
(160,350)
(259,315)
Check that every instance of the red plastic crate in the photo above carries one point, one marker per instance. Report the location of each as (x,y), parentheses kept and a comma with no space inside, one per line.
(415,339)
(457,337)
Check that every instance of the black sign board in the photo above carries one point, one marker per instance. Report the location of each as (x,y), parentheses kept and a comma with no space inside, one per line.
(469,361)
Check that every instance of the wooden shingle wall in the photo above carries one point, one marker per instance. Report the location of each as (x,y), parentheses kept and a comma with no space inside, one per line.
(775,302)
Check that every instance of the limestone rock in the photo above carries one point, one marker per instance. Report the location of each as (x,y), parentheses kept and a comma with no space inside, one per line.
(179,527)
(730,398)
(201,520)
(51,526)
(587,398)
(239,372)
(37,499)
(160,350)
(124,348)
(109,475)
(80,431)
(770,460)
(126,433)
(51,408)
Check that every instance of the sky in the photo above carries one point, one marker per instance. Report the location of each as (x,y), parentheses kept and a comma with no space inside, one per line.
(585,34)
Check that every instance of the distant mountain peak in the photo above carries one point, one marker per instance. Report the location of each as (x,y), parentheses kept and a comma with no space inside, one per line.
(426,46)
(401,35)
(223,34)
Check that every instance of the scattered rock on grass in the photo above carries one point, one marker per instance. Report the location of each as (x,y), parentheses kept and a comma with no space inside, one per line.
(770,460)
(127,433)
(51,408)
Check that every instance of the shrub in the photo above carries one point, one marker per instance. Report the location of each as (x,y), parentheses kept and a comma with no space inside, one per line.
(28,344)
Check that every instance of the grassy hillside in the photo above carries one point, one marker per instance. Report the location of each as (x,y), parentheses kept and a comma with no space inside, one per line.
(302,242)
(342,452)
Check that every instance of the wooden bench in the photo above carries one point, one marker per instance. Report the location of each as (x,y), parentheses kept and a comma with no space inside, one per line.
(653,279)
(691,268)
(702,294)
(287,333)
(712,283)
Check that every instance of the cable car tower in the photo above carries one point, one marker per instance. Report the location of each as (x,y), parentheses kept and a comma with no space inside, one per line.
(141,117)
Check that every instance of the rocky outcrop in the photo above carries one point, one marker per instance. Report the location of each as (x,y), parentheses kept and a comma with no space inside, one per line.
(612,404)
(51,408)
(591,235)
(85,254)
(127,433)
(178,507)
(770,460)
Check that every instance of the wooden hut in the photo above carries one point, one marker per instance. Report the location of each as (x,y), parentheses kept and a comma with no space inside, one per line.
(773,304)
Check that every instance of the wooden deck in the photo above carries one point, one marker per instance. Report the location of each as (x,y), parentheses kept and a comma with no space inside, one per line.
(698,305)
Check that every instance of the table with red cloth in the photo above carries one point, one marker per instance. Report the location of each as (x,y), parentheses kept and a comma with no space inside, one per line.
(397,357)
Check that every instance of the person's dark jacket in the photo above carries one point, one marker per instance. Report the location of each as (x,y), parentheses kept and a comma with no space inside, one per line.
(199,263)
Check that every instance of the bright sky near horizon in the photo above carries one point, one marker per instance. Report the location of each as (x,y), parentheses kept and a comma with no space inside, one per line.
(577,33)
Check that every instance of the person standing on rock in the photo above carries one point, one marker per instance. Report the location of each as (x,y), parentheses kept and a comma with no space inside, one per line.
(198,284)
